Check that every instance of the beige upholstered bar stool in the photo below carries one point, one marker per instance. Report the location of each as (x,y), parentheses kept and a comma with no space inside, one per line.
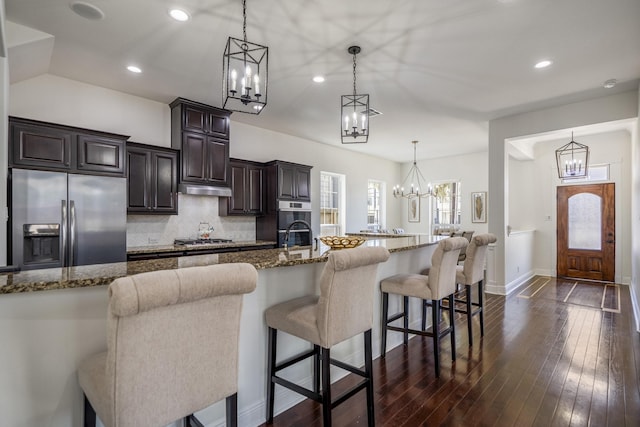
(439,284)
(343,310)
(172,346)
(472,271)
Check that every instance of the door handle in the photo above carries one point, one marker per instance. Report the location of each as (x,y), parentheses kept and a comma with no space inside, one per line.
(72,226)
(63,230)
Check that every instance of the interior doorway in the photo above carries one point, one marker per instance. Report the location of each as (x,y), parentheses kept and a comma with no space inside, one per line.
(586,232)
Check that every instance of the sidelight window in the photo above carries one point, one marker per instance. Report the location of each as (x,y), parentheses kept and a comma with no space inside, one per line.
(332,202)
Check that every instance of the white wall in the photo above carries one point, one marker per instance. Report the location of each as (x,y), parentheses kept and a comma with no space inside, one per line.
(471,170)
(4,85)
(599,110)
(635,219)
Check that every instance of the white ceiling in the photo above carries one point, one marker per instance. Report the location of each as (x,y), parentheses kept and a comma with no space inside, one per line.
(437,70)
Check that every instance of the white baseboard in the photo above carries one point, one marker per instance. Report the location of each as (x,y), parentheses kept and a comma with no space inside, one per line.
(511,286)
(635,306)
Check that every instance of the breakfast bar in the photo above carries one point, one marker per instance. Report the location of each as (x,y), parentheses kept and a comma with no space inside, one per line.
(66,308)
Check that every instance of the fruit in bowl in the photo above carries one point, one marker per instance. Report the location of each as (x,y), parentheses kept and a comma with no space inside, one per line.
(342,242)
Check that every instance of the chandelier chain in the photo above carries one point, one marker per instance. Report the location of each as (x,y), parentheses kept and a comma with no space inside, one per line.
(244,19)
(354,74)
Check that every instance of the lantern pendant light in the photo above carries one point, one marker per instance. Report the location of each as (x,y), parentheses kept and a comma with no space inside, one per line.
(355,111)
(245,73)
(572,160)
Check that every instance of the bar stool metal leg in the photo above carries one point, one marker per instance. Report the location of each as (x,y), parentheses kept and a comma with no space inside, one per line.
(326,387)
(405,306)
(481,305)
(271,369)
(368,366)
(232,410)
(452,313)
(469,313)
(435,316)
(385,318)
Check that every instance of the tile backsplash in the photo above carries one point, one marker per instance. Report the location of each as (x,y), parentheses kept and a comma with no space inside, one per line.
(145,230)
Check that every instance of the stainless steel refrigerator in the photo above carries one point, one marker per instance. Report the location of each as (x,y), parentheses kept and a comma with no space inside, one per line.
(61,219)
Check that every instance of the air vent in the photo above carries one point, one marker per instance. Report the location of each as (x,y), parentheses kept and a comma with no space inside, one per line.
(371,112)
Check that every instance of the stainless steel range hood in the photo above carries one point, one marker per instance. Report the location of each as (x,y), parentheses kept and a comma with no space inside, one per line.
(204,190)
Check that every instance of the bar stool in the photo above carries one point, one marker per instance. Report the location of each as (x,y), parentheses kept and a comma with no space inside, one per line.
(439,284)
(343,309)
(172,347)
(472,271)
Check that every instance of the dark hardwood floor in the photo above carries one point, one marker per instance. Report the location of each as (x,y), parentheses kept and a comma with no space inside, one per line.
(542,362)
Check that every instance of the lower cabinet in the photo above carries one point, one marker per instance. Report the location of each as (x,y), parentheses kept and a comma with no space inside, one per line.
(152,180)
(247,184)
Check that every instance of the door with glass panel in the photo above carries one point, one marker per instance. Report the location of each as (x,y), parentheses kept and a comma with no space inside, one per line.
(586,232)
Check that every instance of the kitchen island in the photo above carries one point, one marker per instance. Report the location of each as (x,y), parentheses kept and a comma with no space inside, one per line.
(52,319)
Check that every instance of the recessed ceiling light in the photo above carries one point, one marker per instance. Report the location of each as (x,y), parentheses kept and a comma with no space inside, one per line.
(543,64)
(87,10)
(179,15)
(610,83)
(134,69)
(318,79)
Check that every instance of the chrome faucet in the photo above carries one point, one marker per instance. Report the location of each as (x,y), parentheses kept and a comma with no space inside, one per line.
(288,232)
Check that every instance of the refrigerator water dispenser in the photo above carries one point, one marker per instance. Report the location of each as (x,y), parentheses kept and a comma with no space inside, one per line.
(41,243)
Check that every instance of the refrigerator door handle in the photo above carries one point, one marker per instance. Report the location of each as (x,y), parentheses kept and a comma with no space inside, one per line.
(63,232)
(72,230)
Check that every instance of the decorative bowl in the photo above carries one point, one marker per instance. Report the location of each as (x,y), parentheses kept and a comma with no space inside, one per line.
(342,242)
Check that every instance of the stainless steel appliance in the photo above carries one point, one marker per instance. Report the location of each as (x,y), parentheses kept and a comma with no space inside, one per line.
(288,214)
(61,219)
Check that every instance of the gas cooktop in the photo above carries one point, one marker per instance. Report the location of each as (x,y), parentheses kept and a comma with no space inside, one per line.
(200,241)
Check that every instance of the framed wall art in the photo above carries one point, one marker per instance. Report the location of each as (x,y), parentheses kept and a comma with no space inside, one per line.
(414,209)
(479,206)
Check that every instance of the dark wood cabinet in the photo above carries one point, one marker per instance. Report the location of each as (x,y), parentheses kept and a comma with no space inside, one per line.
(49,146)
(294,181)
(100,154)
(152,184)
(201,132)
(247,185)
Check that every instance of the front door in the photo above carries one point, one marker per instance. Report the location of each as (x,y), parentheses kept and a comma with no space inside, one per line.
(586,232)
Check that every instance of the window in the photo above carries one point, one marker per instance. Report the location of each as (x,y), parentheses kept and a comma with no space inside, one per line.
(596,173)
(375,205)
(446,203)
(332,216)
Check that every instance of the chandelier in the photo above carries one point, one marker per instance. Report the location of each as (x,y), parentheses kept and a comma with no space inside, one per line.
(244,73)
(355,111)
(572,160)
(413,182)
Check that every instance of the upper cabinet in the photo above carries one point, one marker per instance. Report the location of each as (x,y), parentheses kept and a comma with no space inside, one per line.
(201,132)
(294,182)
(286,181)
(39,145)
(247,185)
(152,185)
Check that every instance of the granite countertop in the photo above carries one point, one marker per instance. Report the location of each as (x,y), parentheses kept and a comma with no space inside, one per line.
(153,249)
(378,235)
(103,274)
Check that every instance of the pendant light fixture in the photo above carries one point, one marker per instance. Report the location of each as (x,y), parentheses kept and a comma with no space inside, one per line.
(414,184)
(245,73)
(355,111)
(572,160)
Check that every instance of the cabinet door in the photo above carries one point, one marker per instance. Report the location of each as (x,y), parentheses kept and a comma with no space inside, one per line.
(138,178)
(194,119)
(254,190)
(164,172)
(40,146)
(218,124)
(100,154)
(286,182)
(237,201)
(218,159)
(303,184)
(194,157)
